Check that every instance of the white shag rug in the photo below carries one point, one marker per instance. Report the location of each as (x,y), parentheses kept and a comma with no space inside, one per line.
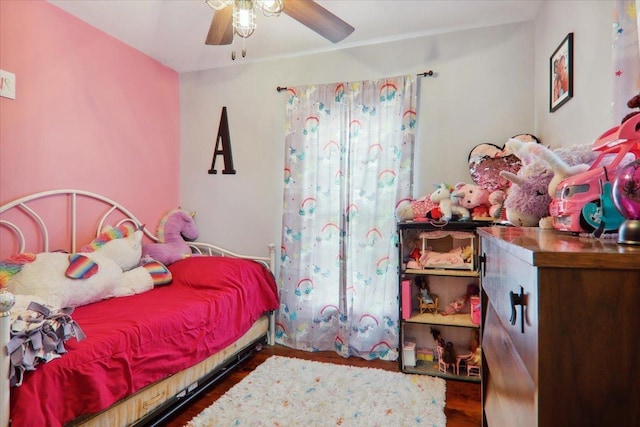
(285,392)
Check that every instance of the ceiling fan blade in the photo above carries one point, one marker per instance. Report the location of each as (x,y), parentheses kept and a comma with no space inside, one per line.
(221,29)
(318,18)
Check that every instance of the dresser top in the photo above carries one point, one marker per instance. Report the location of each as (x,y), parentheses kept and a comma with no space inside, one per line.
(551,248)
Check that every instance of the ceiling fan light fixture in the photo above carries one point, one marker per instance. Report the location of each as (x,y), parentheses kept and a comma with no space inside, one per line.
(244,18)
(238,17)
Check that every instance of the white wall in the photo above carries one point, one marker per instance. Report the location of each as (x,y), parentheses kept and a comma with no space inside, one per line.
(588,114)
(481,93)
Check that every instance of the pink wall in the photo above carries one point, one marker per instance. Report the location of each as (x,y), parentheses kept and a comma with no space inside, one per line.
(90,113)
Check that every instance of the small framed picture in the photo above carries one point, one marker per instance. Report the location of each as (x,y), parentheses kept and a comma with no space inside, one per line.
(561,74)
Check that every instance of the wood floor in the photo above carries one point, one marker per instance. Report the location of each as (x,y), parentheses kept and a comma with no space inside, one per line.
(463,408)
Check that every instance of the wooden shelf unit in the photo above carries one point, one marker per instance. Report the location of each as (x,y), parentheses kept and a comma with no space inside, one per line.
(448,283)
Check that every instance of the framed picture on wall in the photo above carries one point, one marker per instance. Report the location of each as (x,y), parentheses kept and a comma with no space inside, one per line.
(561,74)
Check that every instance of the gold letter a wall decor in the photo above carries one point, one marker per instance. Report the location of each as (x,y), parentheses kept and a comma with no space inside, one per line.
(224,139)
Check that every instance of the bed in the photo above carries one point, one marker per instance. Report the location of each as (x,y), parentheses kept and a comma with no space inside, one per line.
(144,355)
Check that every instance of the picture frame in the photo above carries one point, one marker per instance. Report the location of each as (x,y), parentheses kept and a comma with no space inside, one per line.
(561,74)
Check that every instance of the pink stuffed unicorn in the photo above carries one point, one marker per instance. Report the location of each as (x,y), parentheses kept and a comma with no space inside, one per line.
(176,226)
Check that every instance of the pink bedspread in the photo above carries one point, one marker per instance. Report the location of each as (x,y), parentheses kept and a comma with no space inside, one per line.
(134,341)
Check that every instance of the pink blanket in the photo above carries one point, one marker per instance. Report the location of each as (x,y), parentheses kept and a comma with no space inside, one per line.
(136,340)
(432,258)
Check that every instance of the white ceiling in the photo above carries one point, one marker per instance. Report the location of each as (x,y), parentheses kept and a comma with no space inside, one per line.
(173,31)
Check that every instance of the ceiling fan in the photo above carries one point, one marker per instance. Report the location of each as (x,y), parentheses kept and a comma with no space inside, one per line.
(307,12)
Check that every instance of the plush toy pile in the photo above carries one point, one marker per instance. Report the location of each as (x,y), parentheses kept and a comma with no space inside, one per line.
(481,203)
(484,199)
(527,203)
(448,204)
(48,285)
(107,267)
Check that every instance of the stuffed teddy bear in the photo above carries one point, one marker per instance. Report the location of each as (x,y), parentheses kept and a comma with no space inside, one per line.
(106,268)
(176,226)
(448,205)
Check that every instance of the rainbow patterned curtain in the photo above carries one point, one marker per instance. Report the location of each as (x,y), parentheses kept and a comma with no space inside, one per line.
(348,160)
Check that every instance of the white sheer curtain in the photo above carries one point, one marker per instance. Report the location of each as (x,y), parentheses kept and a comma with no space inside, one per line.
(349,151)
(626,55)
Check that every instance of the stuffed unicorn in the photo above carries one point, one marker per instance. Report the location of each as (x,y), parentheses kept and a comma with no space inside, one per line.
(174,227)
(527,203)
(448,206)
(105,268)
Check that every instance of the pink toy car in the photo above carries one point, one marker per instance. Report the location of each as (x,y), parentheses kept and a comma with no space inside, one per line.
(583,202)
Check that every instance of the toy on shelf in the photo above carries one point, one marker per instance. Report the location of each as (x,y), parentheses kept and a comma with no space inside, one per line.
(583,202)
(486,161)
(416,209)
(458,304)
(481,203)
(437,337)
(458,255)
(474,359)
(449,354)
(528,199)
(626,196)
(413,260)
(448,205)
(427,302)
(496,202)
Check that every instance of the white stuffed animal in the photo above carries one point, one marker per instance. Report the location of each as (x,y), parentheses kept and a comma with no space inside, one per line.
(448,207)
(103,269)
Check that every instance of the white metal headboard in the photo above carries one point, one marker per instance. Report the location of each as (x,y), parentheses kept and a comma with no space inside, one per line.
(110,209)
(25,204)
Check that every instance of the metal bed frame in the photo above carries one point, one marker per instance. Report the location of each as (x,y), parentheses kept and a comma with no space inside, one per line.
(23,225)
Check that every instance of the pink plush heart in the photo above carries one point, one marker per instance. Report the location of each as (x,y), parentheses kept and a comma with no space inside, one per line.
(486,161)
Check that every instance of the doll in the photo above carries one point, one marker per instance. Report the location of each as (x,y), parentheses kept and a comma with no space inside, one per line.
(413,260)
(449,354)
(423,285)
(437,337)
(457,304)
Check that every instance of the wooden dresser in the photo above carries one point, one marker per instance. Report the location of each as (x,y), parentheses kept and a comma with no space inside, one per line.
(569,355)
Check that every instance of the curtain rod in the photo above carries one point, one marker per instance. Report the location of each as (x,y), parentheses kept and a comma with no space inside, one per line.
(429,73)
